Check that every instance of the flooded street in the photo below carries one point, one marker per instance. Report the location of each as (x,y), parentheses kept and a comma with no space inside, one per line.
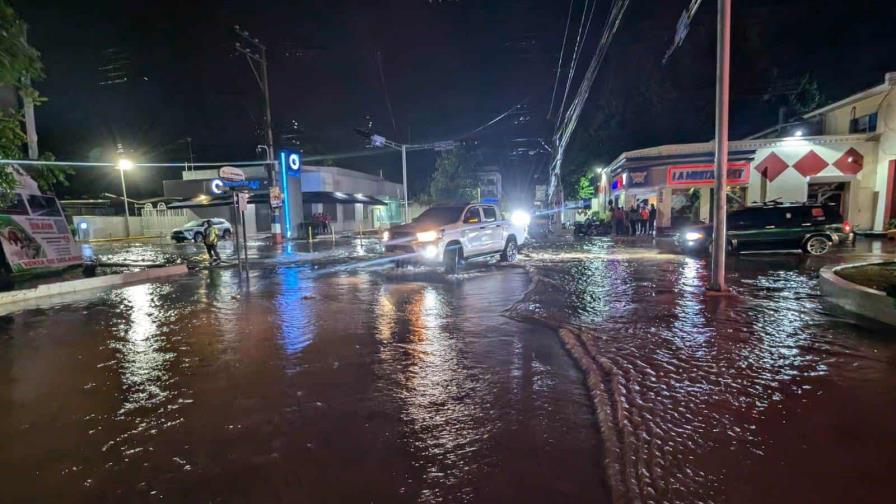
(361,387)
(767,395)
(316,383)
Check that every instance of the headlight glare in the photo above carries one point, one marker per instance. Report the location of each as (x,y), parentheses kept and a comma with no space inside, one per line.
(428,236)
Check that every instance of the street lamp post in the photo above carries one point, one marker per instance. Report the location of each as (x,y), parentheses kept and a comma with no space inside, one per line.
(125,164)
(379,141)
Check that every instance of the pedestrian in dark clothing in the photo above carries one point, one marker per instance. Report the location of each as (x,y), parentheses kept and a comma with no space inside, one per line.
(651,219)
(618,221)
(633,217)
(210,239)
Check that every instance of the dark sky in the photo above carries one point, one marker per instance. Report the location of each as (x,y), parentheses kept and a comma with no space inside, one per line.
(448,67)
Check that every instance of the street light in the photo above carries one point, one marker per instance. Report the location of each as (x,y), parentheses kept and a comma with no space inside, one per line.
(380,141)
(125,164)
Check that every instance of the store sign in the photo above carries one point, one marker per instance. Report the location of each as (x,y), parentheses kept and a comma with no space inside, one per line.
(637,178)
(291,163)
(231,173)
(618,183)
(705,174)
(219,186)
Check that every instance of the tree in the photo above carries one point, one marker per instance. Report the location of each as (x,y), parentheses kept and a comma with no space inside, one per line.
(455,177)
(20,65)
(585,189)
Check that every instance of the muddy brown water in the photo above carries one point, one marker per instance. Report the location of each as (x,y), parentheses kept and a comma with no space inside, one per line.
(347,387)
(769,395)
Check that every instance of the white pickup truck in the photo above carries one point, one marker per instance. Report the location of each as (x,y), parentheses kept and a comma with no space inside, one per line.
(451,235)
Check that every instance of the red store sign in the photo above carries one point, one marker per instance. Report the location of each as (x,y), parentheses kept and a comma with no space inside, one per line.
(704,174)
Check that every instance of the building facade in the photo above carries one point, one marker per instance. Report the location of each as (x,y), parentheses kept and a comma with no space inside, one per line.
(352,200)
(843,154)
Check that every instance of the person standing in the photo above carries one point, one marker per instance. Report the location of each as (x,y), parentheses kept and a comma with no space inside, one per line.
(633,217)
(645,216)
(210,239)
(651,219)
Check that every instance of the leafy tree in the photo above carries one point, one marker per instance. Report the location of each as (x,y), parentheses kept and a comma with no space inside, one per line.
(20,65)
(455,177)
(585,189)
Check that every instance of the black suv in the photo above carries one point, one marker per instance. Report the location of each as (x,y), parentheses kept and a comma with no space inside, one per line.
(811,227)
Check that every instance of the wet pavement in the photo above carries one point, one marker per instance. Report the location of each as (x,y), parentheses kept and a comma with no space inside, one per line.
(295,386)
(315,381)
(767,395)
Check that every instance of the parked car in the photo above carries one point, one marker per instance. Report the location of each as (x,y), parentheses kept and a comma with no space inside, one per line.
(813,228)
(193,230)
(450,235)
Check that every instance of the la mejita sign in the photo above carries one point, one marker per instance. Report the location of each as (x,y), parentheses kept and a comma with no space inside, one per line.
(705,174)
(231,173)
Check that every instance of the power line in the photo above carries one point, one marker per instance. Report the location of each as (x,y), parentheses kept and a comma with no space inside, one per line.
(570,120)
(560,61)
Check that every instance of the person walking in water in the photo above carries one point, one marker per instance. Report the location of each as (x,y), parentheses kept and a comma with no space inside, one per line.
(210,238)
(651,219)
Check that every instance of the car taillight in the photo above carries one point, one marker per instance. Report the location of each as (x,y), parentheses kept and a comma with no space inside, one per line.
(846,227)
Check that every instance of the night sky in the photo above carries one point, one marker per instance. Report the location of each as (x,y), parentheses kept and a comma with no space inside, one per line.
(448,67)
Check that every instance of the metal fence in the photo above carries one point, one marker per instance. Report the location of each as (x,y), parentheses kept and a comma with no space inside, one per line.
(159,220)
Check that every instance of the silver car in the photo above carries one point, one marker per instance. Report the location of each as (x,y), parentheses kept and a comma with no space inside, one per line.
(193,230)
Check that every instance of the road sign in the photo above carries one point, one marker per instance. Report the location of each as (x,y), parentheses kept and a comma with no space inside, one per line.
(276,197)
(243,201)
(231,173)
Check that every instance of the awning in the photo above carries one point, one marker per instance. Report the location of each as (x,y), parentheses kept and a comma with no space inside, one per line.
(262,198)
(218,201)
(340,197)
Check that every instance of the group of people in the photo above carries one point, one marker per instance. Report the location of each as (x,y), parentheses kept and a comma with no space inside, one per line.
(320,223)
(637,220)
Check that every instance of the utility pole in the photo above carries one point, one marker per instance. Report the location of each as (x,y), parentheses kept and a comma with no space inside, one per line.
(258,54)
(723,73)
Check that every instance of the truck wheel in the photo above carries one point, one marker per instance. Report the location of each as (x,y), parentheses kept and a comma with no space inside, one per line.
(511,251)
(454,254)
(197,237)
(817,245)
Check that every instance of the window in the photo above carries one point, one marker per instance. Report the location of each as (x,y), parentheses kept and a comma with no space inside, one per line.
(864,124)
(746,219)
(489,214)
(15,207)
(43,206)
(785,217)
(472,216)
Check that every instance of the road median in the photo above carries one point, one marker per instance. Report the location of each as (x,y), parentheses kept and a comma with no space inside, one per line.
(71,286)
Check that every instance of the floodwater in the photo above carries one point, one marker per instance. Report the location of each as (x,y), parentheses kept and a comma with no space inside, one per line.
(769,395)
(297,386)
(316,381)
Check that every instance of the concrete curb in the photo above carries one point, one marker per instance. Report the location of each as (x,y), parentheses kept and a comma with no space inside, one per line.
(867,302)
(72,286)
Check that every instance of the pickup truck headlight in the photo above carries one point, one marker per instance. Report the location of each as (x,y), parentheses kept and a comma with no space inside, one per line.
(520,218)
(428,236)
(385,236)
(693,235)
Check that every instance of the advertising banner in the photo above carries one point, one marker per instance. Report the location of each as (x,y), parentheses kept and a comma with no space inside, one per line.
(39,240)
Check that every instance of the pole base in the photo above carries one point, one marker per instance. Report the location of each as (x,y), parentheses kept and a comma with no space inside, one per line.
(277,238)
(716,290)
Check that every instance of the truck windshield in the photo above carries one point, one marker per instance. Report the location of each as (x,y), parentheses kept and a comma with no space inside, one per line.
(440,216)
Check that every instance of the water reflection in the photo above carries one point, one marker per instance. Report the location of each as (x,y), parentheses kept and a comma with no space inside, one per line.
(443,398)
(688,377)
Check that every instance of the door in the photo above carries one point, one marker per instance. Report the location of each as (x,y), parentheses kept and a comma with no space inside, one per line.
(471,235)
(493,231)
